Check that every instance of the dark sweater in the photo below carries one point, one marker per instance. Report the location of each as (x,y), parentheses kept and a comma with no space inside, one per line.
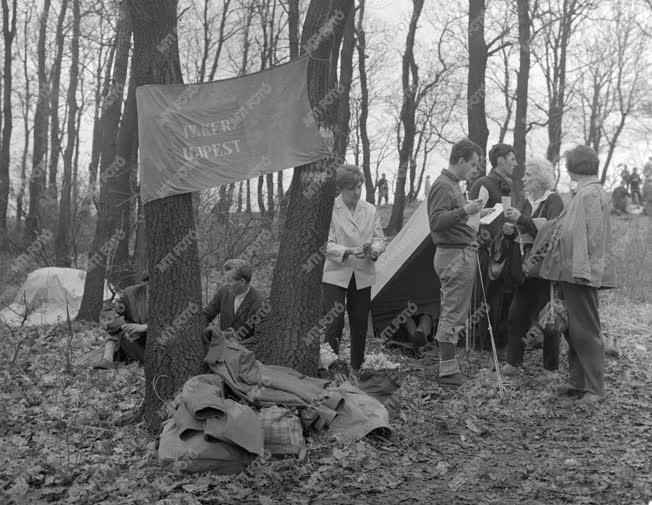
(446,213)
(550,208)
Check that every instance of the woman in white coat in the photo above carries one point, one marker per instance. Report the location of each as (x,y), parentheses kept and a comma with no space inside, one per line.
(355,241)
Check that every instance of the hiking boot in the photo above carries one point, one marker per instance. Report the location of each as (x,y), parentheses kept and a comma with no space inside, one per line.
(456,379)
(509,370)
(105,364)
(568,389)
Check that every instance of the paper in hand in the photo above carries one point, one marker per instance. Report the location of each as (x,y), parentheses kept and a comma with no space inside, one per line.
(483,195)
(489,218)
(506,201)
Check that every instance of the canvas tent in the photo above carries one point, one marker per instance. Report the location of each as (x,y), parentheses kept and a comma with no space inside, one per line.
(405,273)
(44,294)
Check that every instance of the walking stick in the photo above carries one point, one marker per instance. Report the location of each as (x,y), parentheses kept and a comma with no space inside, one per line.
(501,388)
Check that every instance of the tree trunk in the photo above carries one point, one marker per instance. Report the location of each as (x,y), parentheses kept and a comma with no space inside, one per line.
(113,198)
(410,83)
(63,236)
(174,350)
(55,139)
(520,119)
(475,94)
(341,139)
(364,106)
(240,190)
(20,197)
(261,196)
(102,89)
(9,32)
(39,171)
(295,299)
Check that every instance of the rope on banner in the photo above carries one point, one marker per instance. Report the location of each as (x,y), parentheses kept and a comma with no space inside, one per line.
(501,388)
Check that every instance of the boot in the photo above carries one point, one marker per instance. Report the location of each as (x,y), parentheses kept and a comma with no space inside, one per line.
(449,368)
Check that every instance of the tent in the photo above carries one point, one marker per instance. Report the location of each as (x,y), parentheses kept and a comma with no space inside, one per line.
(405,273)
(44,295)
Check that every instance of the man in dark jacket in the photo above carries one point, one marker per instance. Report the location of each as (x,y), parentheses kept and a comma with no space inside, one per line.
(494,252)
(456,256)
(126,324)
(238,303)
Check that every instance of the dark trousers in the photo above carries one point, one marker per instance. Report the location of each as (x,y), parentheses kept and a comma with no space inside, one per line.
(128,351)
(527,302)
(584,335)
(358,302)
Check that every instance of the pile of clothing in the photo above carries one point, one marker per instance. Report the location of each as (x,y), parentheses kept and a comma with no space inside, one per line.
(222,421)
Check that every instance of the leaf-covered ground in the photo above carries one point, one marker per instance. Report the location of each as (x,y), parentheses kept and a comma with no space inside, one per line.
(63,439)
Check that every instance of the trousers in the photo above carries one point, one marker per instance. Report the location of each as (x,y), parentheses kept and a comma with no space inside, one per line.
(456,271)
(358,302)
(527,302)
(584,336)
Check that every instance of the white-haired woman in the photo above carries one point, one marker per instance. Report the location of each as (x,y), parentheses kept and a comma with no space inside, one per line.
(532,295)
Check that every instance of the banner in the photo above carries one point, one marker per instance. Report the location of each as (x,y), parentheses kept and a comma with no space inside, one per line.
(201,136)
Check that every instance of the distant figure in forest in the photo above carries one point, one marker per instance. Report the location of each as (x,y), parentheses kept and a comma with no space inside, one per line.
(635,187)
(126,324)
(619,199)
(383,189)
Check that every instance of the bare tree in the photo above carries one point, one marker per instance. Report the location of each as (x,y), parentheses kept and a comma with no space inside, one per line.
(169,362)
(522,82)
(479,52)
(8,32)
(295,299)
(38,176)
(364,104)
(63,236)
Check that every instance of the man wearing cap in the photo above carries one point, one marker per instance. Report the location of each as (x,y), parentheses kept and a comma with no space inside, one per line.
(238,303)
(125,321)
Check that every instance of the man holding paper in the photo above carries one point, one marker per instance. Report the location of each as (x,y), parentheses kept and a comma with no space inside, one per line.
(495,250)
(455,258)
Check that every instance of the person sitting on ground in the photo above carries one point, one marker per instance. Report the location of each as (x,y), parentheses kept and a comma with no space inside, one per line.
(619,199)
(126,325)
(414,333)
(238,303)
(532,294)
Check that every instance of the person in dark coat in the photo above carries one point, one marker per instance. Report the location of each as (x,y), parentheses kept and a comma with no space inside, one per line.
(619,199)
(496,247)
(531,295)
(238,304)
(125,322)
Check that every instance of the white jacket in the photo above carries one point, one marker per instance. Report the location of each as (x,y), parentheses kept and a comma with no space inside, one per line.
(348,231)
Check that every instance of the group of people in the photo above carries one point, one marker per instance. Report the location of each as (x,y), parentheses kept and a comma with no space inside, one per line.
(540,242)
(638,188)
(514,262)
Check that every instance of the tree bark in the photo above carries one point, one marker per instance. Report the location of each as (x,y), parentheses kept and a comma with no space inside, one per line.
(20,197)
(295,299)
(55,81)
(410,83)
(174,350)
(38,176)
(8,32)
(475,94)
(364,105)
(520,118)
(341,139)
(62,238)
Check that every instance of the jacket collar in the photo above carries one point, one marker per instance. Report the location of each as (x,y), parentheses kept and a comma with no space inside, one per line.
(450,175)
(503,182)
